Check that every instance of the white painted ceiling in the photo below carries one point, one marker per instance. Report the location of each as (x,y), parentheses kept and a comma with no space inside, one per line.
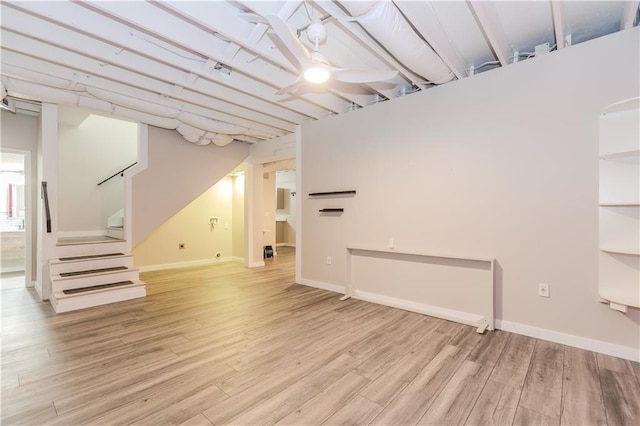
(203,68)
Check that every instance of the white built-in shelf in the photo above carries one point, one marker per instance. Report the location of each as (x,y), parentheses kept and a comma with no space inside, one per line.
(619,263)
(620,299)
(621,250)
(623,154)
(620,204)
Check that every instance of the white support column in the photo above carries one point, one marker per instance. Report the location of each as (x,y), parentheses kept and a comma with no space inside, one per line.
(254,215)
(47,172)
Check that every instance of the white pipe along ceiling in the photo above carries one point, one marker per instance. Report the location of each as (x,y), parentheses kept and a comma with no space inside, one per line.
(220,72)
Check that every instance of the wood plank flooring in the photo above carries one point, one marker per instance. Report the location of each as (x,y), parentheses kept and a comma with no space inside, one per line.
(228,345)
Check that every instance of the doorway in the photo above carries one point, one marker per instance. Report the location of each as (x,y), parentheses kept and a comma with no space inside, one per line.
(13,219)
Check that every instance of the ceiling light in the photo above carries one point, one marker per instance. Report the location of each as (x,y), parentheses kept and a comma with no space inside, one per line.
(316,75)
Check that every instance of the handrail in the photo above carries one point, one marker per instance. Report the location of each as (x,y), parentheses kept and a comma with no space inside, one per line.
(45,197)
(121,173)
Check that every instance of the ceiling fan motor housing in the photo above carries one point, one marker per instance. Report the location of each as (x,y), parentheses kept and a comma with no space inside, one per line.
(316,32)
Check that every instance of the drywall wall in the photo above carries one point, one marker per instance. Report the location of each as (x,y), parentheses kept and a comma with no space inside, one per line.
(191,228)
(20,132)
(88,154)
(238,222)
(503,164)
(177,173)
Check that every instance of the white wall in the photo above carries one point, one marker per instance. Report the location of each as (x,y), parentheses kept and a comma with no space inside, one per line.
(87,154)
(19,131)
(238,221)
(503,164)
(177,173)
(190,226)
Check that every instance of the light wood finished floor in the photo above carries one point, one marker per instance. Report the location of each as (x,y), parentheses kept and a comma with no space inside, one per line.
(228,345)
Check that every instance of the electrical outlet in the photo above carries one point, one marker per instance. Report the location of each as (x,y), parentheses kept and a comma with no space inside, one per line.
(328,260)
(180,246)
(543,289)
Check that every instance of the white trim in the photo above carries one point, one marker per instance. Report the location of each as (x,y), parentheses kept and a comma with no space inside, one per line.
(285,245)
(321,285)
(187,264)
(255,264)
(613,349)
(237,259)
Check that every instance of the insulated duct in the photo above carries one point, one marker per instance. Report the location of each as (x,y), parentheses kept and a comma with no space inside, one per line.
(388,26)
(212,131)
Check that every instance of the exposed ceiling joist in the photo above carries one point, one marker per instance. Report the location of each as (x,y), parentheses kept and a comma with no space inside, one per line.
(424,19)
(558,23)
(489,21)
(629,14)
(165,26)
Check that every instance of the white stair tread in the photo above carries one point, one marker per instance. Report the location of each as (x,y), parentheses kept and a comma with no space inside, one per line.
(103,239)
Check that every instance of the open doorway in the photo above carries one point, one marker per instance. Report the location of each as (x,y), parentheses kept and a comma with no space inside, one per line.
(285,210)
(13,219)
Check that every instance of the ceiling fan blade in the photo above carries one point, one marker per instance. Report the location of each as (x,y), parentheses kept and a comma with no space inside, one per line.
(289,39)
(363,76)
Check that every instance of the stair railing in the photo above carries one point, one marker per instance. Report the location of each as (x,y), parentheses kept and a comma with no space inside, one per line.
(121,173)
(47,211)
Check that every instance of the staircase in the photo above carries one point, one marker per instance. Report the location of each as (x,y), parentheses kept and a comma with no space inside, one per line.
(92,271)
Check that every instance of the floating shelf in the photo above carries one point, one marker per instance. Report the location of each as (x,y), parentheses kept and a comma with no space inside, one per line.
(627,251)
(331,210)
(331,193)
(624,154)
(620,204)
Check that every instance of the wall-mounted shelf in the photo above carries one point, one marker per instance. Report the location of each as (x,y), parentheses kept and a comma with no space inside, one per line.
(626,251)
(620,204)
(331,210)
(331,193)
(619,218)
(623,154)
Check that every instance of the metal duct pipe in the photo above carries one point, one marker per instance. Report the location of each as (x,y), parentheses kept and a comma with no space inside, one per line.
(385,23)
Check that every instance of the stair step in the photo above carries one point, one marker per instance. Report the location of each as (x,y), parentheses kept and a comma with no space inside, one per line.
(93,271)
(96,287)
(92,256)
(101,239)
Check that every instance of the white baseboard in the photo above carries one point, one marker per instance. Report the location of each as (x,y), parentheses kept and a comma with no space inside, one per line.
(237,259)
(256,264)
(620,351)
(285,245)
(323,286)
(187,264)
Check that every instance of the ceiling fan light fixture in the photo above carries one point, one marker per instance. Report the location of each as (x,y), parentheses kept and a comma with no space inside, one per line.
(316,75)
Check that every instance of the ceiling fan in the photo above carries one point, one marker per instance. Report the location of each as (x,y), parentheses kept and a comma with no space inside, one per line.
(313,65)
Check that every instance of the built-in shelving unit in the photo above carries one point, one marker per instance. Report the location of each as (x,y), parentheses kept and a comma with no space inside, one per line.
(619,215)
